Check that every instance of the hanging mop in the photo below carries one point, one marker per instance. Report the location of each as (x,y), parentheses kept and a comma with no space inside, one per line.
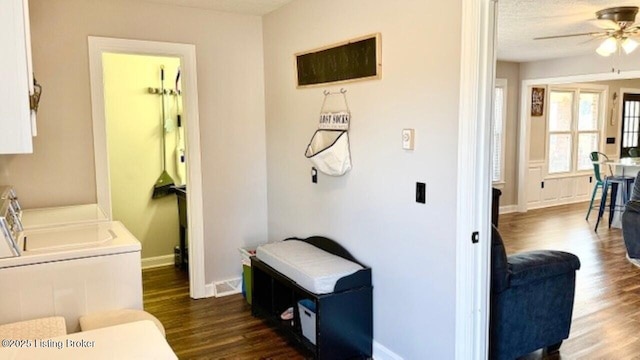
(164,183)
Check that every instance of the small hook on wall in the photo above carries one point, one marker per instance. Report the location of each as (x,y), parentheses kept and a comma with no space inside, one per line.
(342,91)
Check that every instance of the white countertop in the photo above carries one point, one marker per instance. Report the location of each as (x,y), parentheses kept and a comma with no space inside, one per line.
(624,162)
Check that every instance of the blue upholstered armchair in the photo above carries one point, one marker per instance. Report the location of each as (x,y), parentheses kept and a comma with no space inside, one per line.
(531,300)
(631,224)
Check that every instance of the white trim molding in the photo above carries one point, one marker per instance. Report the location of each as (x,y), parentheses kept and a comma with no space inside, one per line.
(477,74)
(508,209)
(187,55)
(157,261)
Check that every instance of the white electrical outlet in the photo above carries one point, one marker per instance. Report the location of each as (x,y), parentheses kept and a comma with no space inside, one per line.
(408,136)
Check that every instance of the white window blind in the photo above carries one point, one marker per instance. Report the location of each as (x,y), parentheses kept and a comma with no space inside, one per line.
(499,123)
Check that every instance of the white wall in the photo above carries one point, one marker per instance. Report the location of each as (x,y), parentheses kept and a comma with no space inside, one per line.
(231,99)
(578,65)
(372,209)
(511,72)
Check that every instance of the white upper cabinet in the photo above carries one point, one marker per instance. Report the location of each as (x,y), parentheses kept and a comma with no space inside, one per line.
(17,121)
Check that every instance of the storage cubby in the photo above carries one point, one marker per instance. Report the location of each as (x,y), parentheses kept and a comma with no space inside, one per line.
(344,318)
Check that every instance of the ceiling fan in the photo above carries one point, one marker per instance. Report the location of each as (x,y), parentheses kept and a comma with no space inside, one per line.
(618,29)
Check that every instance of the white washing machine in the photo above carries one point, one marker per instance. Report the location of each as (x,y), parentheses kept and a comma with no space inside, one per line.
(68,271)
(53,216)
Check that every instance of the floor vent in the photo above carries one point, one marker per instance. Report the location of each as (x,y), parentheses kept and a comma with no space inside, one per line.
(228,287)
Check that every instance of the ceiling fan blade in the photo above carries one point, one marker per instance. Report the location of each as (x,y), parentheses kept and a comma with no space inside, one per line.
(568,35)
(605,24)
(632,29)
(603,36)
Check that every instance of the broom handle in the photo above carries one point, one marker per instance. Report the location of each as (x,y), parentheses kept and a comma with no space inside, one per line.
(162,127)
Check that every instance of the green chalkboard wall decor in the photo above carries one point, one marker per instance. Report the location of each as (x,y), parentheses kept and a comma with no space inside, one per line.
(355,59)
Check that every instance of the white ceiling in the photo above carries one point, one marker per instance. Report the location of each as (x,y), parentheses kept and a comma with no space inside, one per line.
(251,7)
(519,21)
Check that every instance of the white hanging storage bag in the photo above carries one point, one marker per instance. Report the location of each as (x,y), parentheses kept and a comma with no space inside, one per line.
(328,149)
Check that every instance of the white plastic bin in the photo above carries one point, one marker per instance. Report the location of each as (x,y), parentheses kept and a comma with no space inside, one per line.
(307,309)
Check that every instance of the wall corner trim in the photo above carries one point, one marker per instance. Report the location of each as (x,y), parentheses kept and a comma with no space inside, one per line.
(381,352)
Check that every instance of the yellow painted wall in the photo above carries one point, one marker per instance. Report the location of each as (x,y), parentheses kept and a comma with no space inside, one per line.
(133,138)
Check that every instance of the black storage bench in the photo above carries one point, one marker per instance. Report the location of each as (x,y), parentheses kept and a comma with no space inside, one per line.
(344,317)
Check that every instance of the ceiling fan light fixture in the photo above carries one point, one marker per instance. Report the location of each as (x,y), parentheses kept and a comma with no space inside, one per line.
(629,45)
(608,47)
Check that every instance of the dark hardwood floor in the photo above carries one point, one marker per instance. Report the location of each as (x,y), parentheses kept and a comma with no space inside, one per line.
(212,328)
(606,322)
(606,316)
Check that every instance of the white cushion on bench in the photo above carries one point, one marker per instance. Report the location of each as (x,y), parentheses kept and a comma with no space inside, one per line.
(310,267)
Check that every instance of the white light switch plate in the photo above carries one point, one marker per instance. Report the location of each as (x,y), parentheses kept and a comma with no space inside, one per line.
(408,136)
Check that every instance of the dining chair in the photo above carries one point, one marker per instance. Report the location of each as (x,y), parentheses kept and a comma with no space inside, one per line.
(608,182)
(594,156)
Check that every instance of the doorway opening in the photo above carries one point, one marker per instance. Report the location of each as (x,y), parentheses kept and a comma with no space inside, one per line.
(568,107)
(143,127)
(146,152)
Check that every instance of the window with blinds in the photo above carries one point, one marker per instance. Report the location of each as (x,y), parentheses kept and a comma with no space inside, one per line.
(573,130)
(499,123)
(630,123)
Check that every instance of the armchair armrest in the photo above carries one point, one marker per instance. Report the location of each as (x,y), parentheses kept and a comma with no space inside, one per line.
(633,206)
(537,265)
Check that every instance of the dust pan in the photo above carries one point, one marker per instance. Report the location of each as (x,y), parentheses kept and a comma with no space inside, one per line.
(163,185)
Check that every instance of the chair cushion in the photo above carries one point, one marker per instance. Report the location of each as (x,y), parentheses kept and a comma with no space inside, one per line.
(44,328)
(117,317)
(309,266)
(499,267)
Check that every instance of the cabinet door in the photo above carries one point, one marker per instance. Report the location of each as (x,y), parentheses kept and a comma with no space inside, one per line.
(15,113)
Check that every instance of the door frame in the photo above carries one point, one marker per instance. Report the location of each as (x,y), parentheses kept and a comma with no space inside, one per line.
(477,77)
(187,55)
(524,135)
(619,110)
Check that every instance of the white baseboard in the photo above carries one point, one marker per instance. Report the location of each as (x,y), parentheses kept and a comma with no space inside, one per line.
(380,352)
(508,209)
(542,205)
(209,290)
(157,261)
